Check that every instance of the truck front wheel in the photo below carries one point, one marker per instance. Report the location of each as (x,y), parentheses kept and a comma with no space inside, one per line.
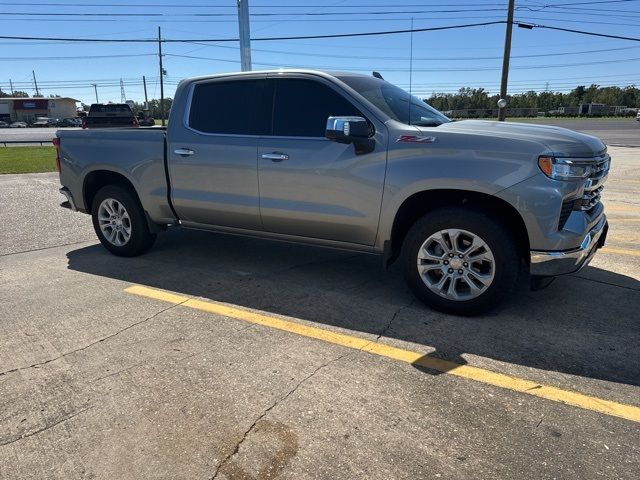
(460,261)
(119,222)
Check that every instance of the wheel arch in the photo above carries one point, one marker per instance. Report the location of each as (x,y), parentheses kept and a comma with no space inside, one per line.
(96,179)
(423,202)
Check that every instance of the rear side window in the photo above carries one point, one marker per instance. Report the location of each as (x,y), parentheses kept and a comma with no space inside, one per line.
(301,107)
(226,107)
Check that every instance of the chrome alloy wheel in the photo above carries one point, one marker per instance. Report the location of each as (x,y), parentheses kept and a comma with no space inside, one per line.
(114,222)
(456,264)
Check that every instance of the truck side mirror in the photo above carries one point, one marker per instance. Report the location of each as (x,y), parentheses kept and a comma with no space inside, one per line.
(350,130)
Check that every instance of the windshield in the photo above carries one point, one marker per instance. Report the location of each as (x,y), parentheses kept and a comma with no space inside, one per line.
(394,101)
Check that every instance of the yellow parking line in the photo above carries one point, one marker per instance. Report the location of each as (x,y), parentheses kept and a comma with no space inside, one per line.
(575,399)
(621,251)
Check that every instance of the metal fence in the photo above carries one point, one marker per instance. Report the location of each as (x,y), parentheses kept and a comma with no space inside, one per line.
(15,143)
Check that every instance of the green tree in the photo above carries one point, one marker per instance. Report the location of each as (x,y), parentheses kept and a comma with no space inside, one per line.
(16,93)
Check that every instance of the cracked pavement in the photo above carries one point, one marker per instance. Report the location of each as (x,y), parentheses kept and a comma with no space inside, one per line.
(96,383)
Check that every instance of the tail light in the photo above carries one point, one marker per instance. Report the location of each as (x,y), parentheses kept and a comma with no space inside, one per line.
(56,143)
(134,122)
(84,122)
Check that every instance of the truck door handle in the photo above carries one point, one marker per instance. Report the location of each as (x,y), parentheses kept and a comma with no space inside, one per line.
(183,151)
(275,156)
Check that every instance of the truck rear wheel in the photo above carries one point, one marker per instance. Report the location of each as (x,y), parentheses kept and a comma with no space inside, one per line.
(460,261)
(120,222)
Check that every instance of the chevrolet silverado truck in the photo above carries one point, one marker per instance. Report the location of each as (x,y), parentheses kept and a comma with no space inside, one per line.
(350,162)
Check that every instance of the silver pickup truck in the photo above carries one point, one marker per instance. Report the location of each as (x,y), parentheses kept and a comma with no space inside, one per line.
(352,162)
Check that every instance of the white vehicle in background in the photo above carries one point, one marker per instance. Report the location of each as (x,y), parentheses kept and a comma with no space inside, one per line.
(18,125)
(638,116)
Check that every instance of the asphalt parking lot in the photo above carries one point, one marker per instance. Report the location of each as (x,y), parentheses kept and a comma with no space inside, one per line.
(224,357)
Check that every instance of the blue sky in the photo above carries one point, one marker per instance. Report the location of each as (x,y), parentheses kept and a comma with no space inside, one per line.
(442,61)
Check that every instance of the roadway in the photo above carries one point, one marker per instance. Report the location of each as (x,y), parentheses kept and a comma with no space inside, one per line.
(613,131)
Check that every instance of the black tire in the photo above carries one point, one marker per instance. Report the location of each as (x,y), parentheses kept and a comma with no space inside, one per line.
(506,267)
(141,239)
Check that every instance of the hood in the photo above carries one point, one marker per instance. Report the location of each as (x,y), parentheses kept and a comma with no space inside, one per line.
(560,141)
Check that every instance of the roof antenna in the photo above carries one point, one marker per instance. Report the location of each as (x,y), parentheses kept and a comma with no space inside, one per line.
(377,75)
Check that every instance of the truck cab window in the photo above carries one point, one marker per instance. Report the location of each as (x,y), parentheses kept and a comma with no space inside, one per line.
(301,107)
(226,107)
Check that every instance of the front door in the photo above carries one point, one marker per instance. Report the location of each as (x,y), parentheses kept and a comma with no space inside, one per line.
(311,186)
(212,157)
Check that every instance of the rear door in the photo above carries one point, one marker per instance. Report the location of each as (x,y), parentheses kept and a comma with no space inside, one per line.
(213,155)
(309,185)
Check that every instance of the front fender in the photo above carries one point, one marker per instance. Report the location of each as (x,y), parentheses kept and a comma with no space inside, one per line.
(409,173)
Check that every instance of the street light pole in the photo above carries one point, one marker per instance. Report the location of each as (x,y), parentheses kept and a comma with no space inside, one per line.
(95,88)
(502,112)
(245,41)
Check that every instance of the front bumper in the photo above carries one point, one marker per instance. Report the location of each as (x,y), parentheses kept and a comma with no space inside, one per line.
(549,264)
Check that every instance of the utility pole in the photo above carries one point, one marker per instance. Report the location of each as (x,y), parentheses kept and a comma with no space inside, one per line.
(161,77)
(146,100)
(95,88)
(35,82)
(411,64)
(502,112)
(245,41)
(11,85)
(410,69)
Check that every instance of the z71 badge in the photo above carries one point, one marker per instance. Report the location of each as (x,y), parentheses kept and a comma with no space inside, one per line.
(416,139)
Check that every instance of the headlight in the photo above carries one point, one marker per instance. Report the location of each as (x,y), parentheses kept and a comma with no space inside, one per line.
(564,168)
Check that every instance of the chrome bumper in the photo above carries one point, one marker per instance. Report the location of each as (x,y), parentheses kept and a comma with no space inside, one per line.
(550,264)
(69,203)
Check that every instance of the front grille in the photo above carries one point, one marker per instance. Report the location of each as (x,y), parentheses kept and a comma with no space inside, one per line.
(594,185)
(591,199)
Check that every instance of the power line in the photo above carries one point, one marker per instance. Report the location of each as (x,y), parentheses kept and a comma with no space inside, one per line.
(270,22)
(431,59)
(620,13)
(309,37)
(80,57)
(138,5)
(313,14)
(582,22)
(325,20)
(306,54)
(367,68)
(581,32)
(302,37)
(410,5)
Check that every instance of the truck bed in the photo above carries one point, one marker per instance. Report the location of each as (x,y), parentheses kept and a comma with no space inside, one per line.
(138,154)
